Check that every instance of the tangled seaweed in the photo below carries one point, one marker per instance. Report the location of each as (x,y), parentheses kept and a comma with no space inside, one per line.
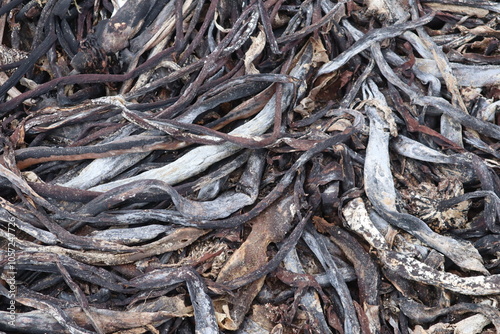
(252,166)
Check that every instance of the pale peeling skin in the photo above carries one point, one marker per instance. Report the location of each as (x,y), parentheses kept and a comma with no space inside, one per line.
(418,271)
(380,190)
(358,220)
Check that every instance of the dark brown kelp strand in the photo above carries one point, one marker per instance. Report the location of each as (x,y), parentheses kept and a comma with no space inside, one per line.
(28,63)
(262,166)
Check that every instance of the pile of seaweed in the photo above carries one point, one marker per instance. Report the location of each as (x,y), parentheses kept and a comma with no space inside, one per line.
(250,166)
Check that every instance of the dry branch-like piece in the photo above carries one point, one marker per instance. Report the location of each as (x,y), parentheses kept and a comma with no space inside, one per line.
(404,265)
(262,166)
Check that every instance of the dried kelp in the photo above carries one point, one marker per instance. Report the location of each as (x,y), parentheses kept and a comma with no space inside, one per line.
(263,166)
(270,226)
